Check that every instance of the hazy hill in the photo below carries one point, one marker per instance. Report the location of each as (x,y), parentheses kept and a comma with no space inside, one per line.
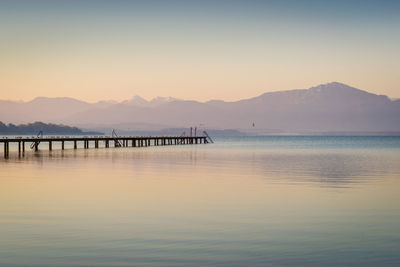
(41,109)
(324,108)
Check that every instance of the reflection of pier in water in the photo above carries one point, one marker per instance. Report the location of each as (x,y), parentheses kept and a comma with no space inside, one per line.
(108,141)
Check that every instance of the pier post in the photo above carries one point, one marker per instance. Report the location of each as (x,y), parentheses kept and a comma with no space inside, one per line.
(133,142)
(5,149)
(75,145)
(50,146)
(62,145)
(96,144)
(107,144)
(19,148)
(23,146)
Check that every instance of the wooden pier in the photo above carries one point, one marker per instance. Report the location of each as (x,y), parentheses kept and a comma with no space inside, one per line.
(95,141)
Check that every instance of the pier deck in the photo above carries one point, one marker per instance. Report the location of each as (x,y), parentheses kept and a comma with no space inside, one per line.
(106,141)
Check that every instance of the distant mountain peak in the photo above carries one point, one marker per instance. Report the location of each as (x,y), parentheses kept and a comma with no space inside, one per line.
(336,89)
(41,98)
(136,101)
(140,101)
(332,86)
(161,99)
(55,100)
(138,98)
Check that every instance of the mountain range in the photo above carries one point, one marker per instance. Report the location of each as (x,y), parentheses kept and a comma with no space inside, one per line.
(331,107)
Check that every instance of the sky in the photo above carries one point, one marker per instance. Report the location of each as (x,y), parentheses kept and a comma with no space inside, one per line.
(200,50)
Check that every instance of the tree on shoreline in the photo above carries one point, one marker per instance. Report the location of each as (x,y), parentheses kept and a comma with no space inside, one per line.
(34,128)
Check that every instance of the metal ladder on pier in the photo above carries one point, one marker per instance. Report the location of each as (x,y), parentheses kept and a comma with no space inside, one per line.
(35,144)
(117,143)
(209,138)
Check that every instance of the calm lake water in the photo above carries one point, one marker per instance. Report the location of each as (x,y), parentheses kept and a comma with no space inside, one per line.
(249,201)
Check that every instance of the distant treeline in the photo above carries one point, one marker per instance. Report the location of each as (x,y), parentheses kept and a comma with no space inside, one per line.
(46,128)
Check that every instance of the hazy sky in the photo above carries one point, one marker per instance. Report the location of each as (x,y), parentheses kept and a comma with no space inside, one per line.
(96,50)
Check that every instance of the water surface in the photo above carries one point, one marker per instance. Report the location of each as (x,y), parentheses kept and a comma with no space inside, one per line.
(243,201)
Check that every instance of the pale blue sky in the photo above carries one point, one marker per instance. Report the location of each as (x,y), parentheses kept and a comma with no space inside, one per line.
(200,50)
